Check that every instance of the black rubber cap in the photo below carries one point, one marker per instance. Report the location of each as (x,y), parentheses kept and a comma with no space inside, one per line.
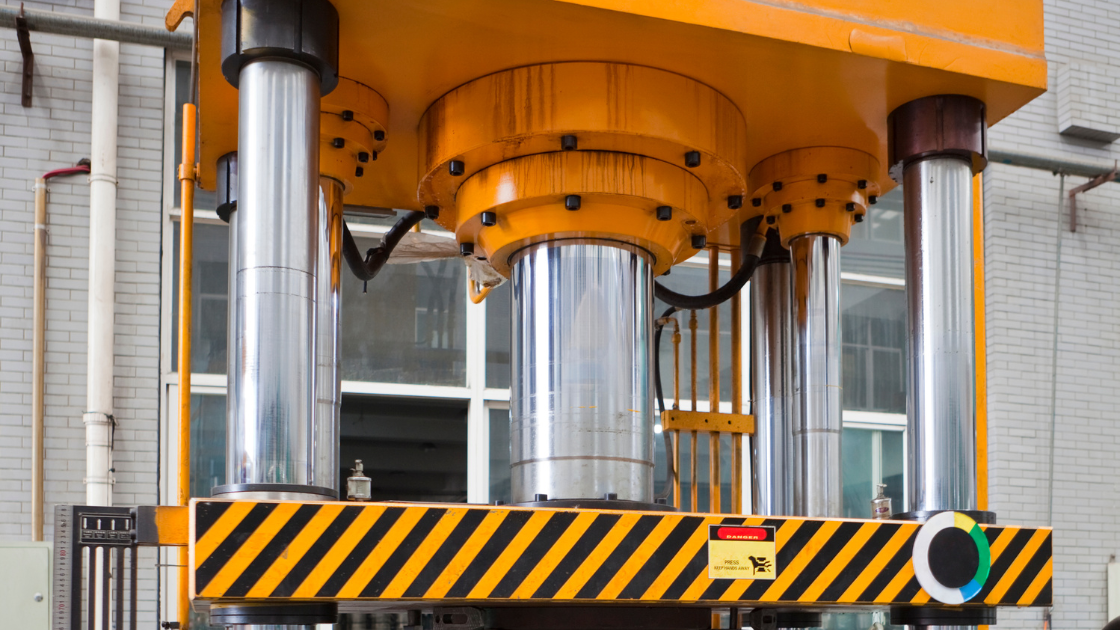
(227,186)
(305,31)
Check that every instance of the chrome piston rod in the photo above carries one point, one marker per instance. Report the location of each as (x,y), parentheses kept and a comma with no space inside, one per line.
(818,490)
(581,404)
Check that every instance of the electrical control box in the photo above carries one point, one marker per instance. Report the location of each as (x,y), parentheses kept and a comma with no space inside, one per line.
(25,591)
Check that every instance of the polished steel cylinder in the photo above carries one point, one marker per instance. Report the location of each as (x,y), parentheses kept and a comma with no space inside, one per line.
(815,273)
(273,439)
(233,375)
(942,366)
(328,322)
(772,387)
(581,404)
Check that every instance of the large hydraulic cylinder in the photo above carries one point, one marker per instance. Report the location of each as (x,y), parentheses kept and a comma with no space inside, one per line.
(772,381)
(818,490)
(581,403)
(274,439)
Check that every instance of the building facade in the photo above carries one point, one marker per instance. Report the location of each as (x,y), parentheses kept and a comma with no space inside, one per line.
(426,374)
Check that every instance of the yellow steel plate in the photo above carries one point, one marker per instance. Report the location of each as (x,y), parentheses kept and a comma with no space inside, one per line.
(804,74)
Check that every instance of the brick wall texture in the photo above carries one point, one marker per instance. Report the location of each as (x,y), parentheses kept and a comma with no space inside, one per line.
(1022,235)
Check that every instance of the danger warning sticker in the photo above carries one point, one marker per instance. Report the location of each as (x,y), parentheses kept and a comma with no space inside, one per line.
(740,552)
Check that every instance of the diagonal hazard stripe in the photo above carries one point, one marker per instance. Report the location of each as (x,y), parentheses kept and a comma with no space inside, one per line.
(843,558)
(1029,573)
(466,552)
(449,549)
(901,579)
(1016,567)
(225,550)
(205,514)
(566,555)
(880,575)
(669,548)
(856,565)
(619,556)
(819,561)
(674,569)
(504,564)
(423,554)
(1009,545)
(221,528)
(598,556)
(534,553)
(366,544)
(790,538)
(338,552)
(248,551)
(1030,597)
(259,567)
(639,559)
(296,552)
(377,556)
(788,572)
(403,553)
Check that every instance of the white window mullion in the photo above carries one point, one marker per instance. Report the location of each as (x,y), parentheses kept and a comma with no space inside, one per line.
(478,421)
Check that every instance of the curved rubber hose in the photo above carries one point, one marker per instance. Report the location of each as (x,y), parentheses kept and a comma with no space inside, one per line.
(669,472)
(367,269)
(751,244)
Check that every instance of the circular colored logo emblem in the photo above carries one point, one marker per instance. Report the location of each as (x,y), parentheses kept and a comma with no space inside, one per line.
(951,558)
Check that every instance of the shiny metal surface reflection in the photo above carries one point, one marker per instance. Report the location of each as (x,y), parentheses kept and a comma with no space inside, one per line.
(581,403)
(815,271)
(772,384)
(273,439)
(939,292)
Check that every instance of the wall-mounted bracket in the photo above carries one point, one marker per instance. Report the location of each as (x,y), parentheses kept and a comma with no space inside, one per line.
(1099,180)
(23,34)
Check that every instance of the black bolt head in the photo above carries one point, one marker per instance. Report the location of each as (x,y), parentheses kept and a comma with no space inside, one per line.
(873,200)
(771,220)
(363,157)
(787,208)
(735,202)
(456,168)
(611,496)
(540,497)
(358,172)
(373,155)
(820,203)
(756,202)
(466,249)
(699,241)
(692,159)
(569,143)
(347,115)
(777,186)
(850,207)
(572,202)
(862,184)
(379,135)
(664,213)
(432,212)
(822,178)
(338,143)
(489,219)
(661,501)
(859,218)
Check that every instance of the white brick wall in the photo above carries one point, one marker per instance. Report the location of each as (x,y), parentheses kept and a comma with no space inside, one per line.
(1022,228)
(55,133)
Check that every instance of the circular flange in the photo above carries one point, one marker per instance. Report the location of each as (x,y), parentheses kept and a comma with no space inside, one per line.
(578,107)
(817,190)
(352,123)
(618,199)
(951,557)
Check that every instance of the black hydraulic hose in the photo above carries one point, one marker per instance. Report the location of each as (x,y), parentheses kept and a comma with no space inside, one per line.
(750,244)
(367,268)
(669,472)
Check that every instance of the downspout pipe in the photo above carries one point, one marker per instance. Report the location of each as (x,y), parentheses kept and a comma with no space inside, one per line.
(38,343)
(98,417)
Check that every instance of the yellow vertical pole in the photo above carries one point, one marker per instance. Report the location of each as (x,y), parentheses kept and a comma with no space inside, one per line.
(713,385)
(981,342)
(692,450)
(736,390)
(676,435)
(187,172)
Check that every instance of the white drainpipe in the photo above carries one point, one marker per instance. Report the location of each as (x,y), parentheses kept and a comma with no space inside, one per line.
(98,417)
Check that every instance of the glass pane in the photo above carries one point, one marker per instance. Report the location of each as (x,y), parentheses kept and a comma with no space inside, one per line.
(694,281)
(856,462)
(500,489)
(498,321)
(412,449)
(874,327)
(203,199)
(209,299)
(891,466)
(410,327)
(877,247)
(208,443)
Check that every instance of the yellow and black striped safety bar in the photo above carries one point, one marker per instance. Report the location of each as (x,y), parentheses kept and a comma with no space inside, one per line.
(452,553)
